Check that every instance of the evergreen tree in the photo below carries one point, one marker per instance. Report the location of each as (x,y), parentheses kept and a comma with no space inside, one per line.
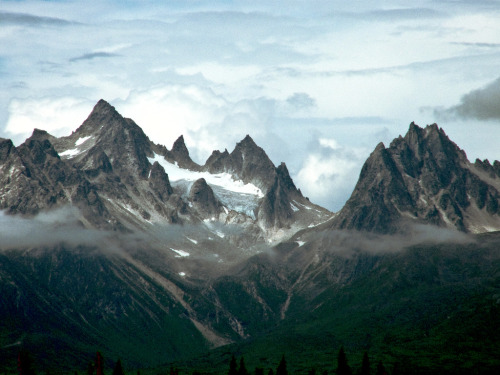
(271,372)
(259,371)
(24,363)
(396,370)
(342,365)
(365,366)
(233,367)
(312,372)
(281,370)
(99,364)
(381,369)
(242,370)
(118,370)
(91,368)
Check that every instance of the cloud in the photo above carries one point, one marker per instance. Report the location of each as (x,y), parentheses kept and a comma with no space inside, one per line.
(399,14)
(31,20)
(49,228)
(480,104)
(347,243)
(301,100)
(93,55)
(58,116)
(329,172)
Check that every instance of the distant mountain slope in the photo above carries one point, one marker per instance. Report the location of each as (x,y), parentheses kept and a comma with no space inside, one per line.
(423,177)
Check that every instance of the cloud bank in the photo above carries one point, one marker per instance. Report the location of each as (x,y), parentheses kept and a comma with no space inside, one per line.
(480,104)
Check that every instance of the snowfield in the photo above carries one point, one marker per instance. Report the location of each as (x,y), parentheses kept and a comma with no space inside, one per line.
(224,180)
(233,194)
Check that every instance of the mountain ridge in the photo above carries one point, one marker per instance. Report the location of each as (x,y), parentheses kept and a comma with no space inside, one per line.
(160,258)
(422,177)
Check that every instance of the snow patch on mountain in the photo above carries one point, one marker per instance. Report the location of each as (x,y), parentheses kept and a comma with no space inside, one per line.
(233,194)
(70,153)
(82,140)
(193,241)
(180,253)
(224,180)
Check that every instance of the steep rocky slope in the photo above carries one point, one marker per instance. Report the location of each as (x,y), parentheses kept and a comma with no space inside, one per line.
(423,177)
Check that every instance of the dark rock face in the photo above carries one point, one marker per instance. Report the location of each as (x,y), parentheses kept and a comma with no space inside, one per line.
(34,177)
(276,207)
(158,180)
(203,198)
(180,154)
(6,147)
(123,141)
(422,177)
(247,162)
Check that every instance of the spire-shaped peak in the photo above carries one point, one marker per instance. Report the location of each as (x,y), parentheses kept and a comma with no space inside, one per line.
(103,115)
(284,176)
(414,128)
(180,154)
(247,138)
(247,142)
(41,135)
(102,105)
(379,147)
(6,147)
(180,146)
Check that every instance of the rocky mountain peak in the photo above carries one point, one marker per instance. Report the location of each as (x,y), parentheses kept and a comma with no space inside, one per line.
(41,135)
(6,147)
(180,154)
(485,165)
(247,146)
(103,114)
(179,147)
(159,181)
(284,176)
(251,163)
(203,198)
(421,177)
(39,147)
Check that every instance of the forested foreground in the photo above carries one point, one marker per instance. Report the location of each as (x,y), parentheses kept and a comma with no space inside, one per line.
(340,366)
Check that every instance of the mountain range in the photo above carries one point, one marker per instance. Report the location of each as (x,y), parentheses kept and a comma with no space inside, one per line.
(114,243)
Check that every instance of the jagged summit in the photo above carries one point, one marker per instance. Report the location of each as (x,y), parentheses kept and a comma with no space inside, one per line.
(247,162)
(247,142)
(180,154)
(39,134)
(102,114)
(421,177)
(121,180)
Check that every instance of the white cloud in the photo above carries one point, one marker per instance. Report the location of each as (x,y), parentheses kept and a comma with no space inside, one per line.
(59,116)
(329,173)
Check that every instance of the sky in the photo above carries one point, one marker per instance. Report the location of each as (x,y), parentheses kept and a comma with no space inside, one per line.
(317,84)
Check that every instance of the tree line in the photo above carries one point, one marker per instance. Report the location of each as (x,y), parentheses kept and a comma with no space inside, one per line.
(25,366)
(343,367)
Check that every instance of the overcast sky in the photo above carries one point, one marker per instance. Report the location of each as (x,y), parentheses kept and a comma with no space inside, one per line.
(317,84)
